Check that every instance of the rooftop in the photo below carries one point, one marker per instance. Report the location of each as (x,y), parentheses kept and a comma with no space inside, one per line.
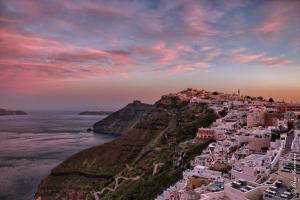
(242,185)
(278,191)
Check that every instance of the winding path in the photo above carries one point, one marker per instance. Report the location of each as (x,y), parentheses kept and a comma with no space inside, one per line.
(156,167)
(96,194)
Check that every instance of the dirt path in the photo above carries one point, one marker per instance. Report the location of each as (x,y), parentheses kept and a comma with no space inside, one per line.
(156,167)
(96,194)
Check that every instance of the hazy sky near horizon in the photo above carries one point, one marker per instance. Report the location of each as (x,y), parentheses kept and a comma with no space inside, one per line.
(104,54)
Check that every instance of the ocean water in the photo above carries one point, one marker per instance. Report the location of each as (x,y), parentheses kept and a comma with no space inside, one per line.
(31,145)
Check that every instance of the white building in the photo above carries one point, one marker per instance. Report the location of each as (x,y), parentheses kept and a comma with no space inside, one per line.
(255,117)
(252,168)
(202,171)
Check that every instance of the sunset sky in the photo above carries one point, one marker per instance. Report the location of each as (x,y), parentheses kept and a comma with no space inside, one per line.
(102,55)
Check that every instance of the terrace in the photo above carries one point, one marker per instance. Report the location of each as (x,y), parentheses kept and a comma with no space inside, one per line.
(242,185)
(291,168)
(278,191)
(292,164)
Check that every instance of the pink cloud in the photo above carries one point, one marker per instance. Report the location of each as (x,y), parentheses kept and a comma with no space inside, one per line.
(275,61)
(272,25)
(279,15)
(35,59)
(210,53)
(244,56)
(158,53)
(15,44)
(28,56)
(182,68)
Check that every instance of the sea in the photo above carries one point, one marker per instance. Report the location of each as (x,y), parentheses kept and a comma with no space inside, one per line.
(31,145)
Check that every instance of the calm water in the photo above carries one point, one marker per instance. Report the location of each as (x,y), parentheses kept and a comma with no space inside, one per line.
(31,145)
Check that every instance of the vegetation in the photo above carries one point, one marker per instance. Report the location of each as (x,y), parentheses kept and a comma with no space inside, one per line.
(223,113)
(275,136)
(152,185)
(260,98)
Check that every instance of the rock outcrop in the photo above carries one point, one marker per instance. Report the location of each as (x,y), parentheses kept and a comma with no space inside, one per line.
(121,121)
(172,102)
(12,112)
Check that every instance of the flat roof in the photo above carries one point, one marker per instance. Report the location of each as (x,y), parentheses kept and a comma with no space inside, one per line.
(279,190)
(242,185)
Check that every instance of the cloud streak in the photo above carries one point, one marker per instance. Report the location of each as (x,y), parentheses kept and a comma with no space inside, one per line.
(274,23)
(245,56)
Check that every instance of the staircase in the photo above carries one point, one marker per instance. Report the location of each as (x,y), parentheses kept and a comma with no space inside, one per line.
(286,150)
(289,141)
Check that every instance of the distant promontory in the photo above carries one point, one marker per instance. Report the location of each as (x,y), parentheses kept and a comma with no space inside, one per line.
(122,120)
(11,112)
(95,113)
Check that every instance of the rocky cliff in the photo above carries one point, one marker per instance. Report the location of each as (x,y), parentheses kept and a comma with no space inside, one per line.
(139,164)
(11,112)
(121,121)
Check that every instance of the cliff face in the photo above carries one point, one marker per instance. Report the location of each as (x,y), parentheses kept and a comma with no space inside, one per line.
(121,121)
(137,165)
(11,112)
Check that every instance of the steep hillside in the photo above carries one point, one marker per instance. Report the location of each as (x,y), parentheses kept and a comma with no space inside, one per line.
(121,121)
(144,161)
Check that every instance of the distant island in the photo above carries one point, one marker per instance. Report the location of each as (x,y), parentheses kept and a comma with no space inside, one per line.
(95,113)
(11,112)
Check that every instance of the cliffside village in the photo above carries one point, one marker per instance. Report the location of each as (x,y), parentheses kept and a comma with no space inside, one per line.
(256,153)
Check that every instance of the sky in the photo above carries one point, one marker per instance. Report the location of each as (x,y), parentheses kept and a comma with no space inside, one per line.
(104,54)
